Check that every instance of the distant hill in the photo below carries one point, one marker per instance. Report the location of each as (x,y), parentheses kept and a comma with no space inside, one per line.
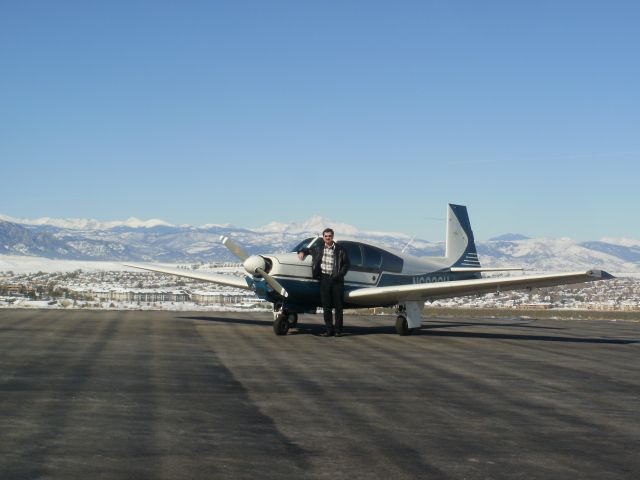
(158,241)
(509,237)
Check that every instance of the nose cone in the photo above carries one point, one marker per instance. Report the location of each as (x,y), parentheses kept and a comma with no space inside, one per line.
(252,263)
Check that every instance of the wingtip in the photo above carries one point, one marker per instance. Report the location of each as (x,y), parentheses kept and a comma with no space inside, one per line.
(601,274)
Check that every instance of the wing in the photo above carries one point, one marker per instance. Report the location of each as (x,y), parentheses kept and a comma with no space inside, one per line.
(228,280)
(436,290)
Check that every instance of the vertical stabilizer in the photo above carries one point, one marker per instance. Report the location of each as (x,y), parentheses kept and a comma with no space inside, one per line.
(460,249)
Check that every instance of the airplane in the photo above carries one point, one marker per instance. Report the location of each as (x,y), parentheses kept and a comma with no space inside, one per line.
(378,276)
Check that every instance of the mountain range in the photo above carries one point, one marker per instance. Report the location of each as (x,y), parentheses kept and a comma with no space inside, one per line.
(159,241)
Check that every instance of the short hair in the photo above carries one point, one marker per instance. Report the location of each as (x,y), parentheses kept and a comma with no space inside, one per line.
(327,230)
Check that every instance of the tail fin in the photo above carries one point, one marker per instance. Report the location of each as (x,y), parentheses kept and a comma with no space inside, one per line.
(460,247)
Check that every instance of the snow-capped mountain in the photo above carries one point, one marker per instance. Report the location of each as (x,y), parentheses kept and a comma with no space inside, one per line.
(86,224)
(159,241)
(559,254)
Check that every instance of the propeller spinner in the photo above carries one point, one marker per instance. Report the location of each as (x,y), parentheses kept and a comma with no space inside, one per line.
(255,265)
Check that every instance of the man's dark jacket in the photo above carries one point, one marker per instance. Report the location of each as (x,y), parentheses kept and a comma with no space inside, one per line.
(340,266)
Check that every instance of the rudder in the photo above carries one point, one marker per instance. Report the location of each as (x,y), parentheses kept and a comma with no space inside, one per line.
(460,246)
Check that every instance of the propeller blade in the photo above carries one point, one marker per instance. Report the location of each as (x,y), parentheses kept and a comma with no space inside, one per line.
(273,283)
(236,249)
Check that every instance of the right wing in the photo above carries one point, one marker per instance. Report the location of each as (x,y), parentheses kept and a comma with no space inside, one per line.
(460,288)
(228,280)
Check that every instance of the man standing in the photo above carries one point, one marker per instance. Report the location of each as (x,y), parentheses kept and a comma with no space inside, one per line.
(329,265)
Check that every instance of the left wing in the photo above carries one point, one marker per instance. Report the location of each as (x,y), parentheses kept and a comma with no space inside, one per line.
(228,280)
(460,288)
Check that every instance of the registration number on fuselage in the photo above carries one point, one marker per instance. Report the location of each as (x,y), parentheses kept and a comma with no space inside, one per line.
(431,278)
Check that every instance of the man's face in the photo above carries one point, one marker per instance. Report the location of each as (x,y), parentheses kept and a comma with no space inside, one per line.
(328,238)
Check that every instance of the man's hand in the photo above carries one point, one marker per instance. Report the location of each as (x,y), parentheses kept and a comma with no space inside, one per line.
(301,255)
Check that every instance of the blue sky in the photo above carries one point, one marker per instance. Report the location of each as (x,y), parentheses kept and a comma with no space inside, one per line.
(371,113)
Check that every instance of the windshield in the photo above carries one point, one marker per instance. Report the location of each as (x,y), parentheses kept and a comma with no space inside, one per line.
(306,243)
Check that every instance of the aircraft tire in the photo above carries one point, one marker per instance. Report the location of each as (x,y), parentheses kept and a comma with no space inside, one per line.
(402,326)
(281,324)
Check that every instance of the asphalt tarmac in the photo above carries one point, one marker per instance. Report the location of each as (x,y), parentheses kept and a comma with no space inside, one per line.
(131,394)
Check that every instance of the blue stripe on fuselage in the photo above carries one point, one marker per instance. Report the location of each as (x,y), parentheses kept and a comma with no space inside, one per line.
(394,279)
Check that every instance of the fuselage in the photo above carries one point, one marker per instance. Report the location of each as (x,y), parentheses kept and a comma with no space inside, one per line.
(371,266)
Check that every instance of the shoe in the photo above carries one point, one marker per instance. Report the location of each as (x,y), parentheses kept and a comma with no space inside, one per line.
(326,334)
(338,334)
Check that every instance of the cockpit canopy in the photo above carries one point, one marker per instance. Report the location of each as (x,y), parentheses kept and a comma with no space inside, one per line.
(362,257)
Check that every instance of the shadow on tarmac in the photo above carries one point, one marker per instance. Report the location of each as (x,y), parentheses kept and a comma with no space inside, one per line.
(539,338)
(430,329)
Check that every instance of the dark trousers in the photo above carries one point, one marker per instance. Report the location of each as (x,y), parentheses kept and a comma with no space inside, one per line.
(331,293)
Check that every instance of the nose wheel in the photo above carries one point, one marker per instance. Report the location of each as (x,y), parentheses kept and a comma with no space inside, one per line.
(281,324)
(283,321)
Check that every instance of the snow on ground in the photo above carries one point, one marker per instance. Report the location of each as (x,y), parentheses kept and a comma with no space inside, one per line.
(20,264)
(24,264)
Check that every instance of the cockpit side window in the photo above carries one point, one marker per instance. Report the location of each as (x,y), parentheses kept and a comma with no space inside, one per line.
(391,262)
(353,253)
(372,257)
(379,259)
(367,258)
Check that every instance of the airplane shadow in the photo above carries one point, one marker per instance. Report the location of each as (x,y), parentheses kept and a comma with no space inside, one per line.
(237,321)
(432,330)
(537,338)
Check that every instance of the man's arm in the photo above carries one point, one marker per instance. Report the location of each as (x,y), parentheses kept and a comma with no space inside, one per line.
(344,268)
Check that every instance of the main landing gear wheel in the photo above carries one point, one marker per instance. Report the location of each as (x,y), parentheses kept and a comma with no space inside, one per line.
(281,324)
(402,326)
(293,320)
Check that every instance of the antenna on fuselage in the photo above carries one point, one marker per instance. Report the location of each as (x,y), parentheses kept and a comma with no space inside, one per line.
(408,243)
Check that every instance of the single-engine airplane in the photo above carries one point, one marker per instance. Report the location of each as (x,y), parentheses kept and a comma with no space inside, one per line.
(378,277)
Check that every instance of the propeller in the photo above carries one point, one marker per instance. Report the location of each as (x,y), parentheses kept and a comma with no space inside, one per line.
(250,266)
(254,265)
(236,249)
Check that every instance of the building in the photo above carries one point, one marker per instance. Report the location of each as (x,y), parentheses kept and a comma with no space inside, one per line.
(220,298)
